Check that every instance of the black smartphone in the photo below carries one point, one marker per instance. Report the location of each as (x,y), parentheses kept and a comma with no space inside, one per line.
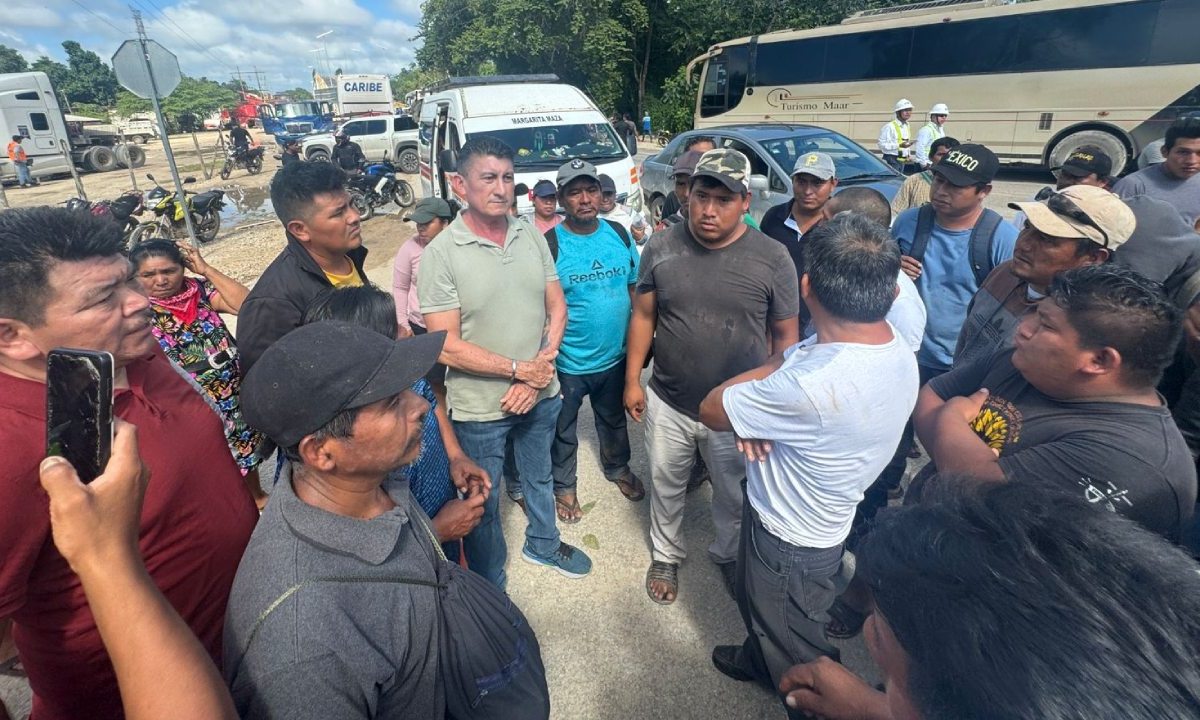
(79,409)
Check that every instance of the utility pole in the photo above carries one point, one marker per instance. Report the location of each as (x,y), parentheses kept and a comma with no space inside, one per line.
(180,196)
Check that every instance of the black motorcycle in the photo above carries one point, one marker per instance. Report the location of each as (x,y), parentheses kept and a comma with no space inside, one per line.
(250,159)
(376,186)
(122,211)
(205,211)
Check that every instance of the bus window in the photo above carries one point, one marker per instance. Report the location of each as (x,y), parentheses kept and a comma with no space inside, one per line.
(971,47)
(725,81)
(789,63)
(1107,36)
(1175,35)
(869,56)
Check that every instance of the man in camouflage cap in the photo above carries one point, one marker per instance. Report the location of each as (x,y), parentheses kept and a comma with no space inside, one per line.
(715,295)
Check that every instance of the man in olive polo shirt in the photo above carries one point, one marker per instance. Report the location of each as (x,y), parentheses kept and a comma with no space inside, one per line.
(489,282)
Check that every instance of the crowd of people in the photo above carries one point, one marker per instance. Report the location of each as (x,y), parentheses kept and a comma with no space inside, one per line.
(1047,368)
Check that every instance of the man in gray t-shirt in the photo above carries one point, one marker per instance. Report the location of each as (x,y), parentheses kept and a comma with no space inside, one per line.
(1176,179)
(716,297)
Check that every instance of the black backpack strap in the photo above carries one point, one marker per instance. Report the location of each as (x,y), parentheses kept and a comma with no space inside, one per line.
(624,235)
(552,242)
(921,235)
(982,237)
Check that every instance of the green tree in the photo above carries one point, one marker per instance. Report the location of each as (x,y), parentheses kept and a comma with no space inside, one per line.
(12,61)
(298,94)
(56,71)
(89,80)
(414,78)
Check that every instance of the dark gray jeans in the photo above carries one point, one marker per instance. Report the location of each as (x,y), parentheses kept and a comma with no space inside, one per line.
(784,593)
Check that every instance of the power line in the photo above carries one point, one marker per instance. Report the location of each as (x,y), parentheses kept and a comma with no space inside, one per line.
(101,18)
(181,33)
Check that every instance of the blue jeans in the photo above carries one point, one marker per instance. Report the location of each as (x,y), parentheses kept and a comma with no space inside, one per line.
(483,442)
(23,175)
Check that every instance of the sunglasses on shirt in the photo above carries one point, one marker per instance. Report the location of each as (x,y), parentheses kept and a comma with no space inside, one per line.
(1060,204)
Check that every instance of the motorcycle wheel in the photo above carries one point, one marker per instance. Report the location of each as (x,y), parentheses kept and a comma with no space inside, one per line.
(362,204)
(208,225)
(255,166)
(226,169)
(141,233)
(402,194)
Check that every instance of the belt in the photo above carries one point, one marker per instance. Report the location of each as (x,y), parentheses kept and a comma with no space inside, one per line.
(216,361)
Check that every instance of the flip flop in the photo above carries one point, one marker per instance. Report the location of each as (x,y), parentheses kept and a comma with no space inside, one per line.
(663,572)
(568,512)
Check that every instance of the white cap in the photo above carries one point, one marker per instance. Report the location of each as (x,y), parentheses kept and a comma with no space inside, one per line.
(939,109)
(902,104)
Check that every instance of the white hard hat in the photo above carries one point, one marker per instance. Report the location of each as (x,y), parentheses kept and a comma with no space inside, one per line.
(939,109)
(902,104)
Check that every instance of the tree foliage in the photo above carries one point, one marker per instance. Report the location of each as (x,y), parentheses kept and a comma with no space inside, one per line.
(298,93)
(628,54)
(12,61)
(89,79)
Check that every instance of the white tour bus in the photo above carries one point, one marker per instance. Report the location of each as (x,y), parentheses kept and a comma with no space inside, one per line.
(1032,81)
(545,122)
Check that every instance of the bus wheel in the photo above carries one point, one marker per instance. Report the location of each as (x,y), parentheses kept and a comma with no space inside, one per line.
(1110,144)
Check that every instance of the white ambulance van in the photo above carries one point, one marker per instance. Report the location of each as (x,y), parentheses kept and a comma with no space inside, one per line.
(544,121)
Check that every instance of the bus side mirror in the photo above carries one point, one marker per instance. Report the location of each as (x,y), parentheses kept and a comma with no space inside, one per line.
(448,160)
(758,183)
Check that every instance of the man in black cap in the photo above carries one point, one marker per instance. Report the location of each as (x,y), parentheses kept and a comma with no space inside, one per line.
(1086,165)
(304,632)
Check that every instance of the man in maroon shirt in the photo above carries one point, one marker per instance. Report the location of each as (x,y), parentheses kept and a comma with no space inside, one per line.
(64,282)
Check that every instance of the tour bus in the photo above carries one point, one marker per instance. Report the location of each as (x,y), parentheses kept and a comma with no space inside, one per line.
(1032,81)
(546,123)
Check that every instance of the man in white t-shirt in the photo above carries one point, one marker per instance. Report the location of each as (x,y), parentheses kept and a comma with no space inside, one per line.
(817,424)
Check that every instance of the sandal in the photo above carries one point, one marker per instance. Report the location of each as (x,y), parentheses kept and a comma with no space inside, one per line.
(520,501)
(666,573)
(844,621)
(568,512)
(631,487)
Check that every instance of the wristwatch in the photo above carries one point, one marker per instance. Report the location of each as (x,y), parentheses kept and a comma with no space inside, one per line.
(513,376)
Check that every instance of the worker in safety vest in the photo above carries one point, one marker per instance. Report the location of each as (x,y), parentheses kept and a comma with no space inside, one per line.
(935,129)
(20,161)
(895,140)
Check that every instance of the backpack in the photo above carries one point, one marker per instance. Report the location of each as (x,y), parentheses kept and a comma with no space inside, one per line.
(552,239)
(488,655)
(982,237)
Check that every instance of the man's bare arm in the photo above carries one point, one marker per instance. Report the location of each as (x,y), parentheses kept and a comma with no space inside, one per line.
(637,349)
(470,358)
(556,316)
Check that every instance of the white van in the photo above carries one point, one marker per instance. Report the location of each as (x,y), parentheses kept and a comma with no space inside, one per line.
(544,121)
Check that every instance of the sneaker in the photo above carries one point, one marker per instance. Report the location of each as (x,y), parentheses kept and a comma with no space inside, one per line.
(727,659)
(567,560)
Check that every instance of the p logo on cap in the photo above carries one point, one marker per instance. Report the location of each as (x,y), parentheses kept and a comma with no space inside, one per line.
(811,160)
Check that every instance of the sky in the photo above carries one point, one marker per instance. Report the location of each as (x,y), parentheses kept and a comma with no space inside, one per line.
(214,38)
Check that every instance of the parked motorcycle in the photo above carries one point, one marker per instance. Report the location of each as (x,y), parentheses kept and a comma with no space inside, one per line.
(376,186)
(205,209)
(251,160)
(121,211)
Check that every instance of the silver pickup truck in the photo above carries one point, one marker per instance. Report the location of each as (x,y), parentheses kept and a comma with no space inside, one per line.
(393,137)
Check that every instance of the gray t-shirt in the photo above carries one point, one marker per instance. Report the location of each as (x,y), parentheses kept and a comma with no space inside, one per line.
(1127,458)
(1155,181)
(714,309)
(361,649)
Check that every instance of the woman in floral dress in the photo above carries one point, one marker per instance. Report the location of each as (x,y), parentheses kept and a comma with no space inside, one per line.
(190,331)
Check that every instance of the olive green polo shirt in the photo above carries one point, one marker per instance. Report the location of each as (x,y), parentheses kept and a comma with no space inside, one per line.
(500,293)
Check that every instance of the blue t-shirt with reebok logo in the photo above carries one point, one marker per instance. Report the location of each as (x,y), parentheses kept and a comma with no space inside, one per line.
(595,271)
(947,282)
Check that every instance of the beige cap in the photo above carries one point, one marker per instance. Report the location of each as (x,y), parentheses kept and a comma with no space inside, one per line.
(1064,215)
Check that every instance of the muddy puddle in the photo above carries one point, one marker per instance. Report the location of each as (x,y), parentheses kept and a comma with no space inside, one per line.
(246,205)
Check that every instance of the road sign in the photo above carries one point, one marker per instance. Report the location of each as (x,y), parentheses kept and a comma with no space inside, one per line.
(130,68)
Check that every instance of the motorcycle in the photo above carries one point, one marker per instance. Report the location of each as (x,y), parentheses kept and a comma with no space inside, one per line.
(121,211)
(376,186)
(251,160)
(205,211)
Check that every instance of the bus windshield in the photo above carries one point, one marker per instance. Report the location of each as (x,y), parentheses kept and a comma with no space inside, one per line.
(548,146)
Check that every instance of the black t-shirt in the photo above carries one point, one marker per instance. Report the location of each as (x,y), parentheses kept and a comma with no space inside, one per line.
(1128,458)
(240,136)
(714,309)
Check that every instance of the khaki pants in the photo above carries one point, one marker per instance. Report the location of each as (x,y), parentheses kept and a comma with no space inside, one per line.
(671,442)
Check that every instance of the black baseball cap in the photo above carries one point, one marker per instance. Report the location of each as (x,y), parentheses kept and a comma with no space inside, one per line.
(318,370)
(968,164)
(606,184)
(544,189)
(1085,160)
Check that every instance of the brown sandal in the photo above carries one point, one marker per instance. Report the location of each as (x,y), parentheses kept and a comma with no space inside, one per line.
(568,512)
(631,487)
(663,572)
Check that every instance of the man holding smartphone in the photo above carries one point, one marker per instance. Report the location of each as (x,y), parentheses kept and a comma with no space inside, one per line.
(65,282)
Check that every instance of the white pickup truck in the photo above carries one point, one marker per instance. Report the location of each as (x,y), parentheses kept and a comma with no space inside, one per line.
(393,137)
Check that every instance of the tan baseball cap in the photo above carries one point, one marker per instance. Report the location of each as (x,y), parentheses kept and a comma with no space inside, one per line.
(1082,212)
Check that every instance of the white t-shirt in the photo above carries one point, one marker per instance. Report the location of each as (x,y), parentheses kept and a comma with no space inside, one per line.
(833,413)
